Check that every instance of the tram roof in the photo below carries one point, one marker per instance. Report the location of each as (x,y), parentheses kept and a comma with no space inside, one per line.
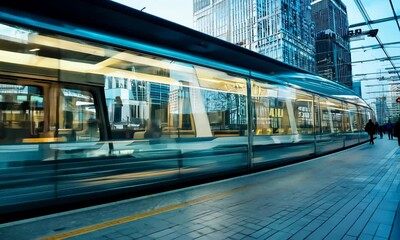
(111,18)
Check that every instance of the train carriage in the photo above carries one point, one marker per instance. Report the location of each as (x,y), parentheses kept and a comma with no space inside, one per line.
(97,99)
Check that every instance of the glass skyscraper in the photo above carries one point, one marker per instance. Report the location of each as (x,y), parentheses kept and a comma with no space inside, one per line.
(280,29)
(333,48)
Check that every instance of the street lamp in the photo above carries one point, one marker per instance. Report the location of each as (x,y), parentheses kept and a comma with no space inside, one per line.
(358,34)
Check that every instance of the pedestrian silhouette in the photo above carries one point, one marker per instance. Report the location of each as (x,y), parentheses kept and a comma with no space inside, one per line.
(376,127)
(370,129)
(380,130)
(389,129)
(396,131)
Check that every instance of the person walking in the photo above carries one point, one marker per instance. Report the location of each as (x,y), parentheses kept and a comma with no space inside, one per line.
(376,128)
(370,129)
(380,130)
(396,131)
(389,129)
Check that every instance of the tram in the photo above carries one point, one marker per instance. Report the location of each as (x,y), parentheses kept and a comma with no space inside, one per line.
(98,99)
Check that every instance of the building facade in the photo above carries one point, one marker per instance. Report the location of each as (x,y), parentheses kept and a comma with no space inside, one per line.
(382,110)
(280,29)
(333,55)
(395,106)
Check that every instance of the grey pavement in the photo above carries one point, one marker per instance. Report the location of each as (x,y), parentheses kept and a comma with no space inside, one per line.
(353,194)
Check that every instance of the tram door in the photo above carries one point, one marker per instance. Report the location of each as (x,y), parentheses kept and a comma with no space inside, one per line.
(26,172)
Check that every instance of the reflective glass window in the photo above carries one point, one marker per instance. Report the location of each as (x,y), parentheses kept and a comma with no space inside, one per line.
(350,118)
(169,99)
(331,112)
(21,113)
(273,109)
(77,119)
(304,113)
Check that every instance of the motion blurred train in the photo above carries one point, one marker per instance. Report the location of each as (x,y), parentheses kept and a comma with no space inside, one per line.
(98,99)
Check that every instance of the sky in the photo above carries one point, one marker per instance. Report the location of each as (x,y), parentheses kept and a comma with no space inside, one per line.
(178,11)
(388,32)
(181,12)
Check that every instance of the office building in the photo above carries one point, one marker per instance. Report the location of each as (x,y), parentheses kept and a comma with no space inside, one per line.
(332,47)
(280,29)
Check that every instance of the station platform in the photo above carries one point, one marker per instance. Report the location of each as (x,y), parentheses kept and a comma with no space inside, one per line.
(353,194)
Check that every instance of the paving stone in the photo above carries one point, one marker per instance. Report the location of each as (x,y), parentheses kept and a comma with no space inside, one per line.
(383,216)
(162,233)
(184,237)
(347,237)
(313,225)
(205,230)
(371,228)
(114,235)
(326,227)
(302,234)
(238,236)
(365,236)
(383,231)
(280,236)
(342,228)
(362,221)
(128,231)
(218,235)
(123,238)
(379,238)
(171,236)
(136,235)
(260,232)
(252,226)
(194,234)
(146,238)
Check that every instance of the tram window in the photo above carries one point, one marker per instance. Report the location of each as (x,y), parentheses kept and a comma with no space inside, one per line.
(364,115)
(271,114)
(350,118)
(303,113)
(169,99)
(279,112)
(225,101)
(77,118)
(331,116)
(21,113)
